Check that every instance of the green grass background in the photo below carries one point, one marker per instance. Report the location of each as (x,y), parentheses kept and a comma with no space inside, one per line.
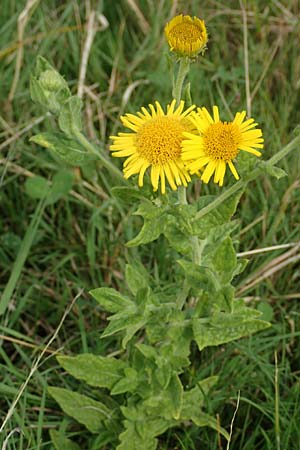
(79,241)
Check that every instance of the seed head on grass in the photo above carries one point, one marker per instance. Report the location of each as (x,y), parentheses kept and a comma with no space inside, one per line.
(156,143)
(218,143)
(186,36)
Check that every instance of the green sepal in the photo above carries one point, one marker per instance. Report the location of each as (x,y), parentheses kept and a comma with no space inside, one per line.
(69,150)
(97,371)
(84,409)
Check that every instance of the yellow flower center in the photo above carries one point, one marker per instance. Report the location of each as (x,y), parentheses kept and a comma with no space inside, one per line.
(159,140)
(186,32)
(221,141)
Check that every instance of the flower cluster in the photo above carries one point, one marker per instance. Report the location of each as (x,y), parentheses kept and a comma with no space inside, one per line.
(182,142)
(179,143)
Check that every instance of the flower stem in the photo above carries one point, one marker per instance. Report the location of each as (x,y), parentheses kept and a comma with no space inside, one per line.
(184,66)
(177,93)
(92,150)
(182,195)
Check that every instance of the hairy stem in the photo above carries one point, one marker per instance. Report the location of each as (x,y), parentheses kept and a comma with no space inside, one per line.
(182,73)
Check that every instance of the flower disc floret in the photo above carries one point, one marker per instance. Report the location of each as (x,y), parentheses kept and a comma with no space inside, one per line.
(218,143)
(186,36)
(155,142)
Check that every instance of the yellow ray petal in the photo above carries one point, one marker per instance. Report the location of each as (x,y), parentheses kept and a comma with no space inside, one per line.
(209,170)
(216,114)
(162,180)
(233,170)
(141,174)
(155,176)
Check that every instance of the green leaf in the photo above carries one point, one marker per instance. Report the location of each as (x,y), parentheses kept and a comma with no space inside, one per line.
(266,310)
(126,384)
(136,277)
(205,420)
(37,187)
(154,224)
(141,428)
(179,240)
(130,321)
(127,194)
(111,300)
(193,399)
(218,216)
(131,440)
(226,327)
(130,316)
(85,410)
(225,261)
(69,119)
(95,370)
(240,267)
(60,442)
(61,185)
(274,171)
(167,402)
(67,149)
(203,278)
(38,95)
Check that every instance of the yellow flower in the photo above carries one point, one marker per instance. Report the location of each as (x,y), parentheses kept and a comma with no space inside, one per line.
(156,143)
(186,36)
(218,143)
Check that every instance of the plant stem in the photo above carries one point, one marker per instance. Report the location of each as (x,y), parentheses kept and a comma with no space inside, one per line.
(182,73)
(105,162)
(182,195)
(177,93)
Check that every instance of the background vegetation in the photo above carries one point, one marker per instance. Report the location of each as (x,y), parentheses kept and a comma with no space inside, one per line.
(77,242)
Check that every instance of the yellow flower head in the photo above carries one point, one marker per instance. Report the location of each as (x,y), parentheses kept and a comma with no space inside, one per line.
(155,142)
(218,143)
(186,36)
